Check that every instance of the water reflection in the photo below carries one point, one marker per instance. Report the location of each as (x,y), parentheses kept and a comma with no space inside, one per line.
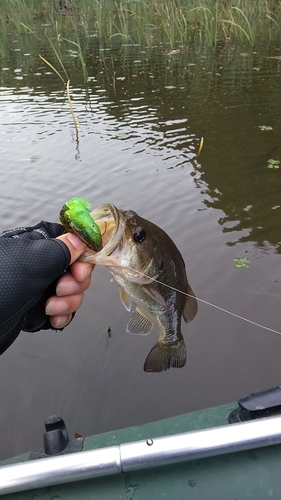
(161,105)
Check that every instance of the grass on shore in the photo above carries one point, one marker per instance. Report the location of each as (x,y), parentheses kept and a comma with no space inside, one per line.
(176,22)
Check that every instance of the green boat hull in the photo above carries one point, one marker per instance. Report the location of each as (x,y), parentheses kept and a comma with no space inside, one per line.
(251,474)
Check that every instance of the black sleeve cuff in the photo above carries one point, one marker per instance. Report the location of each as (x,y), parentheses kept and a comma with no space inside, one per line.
(30,268)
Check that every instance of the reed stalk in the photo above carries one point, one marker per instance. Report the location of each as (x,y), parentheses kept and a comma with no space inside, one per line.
(76,125)
(75,121)
(175,22)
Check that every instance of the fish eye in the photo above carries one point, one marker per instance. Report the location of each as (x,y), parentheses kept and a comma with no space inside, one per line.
(139,235)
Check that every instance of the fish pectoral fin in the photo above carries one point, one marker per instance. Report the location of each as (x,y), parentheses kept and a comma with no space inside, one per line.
(155,295)
(139,324)
(163,356)
(191,306)
(125,299)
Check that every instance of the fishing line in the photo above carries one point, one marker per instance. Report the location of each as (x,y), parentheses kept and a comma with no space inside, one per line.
(204,301)
(220,308)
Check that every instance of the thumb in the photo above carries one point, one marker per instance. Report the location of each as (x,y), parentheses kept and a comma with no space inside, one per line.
(76,246)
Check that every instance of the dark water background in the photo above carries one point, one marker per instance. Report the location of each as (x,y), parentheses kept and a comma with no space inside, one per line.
(137,148)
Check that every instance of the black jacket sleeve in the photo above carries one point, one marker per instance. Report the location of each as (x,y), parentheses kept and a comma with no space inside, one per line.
(31,262)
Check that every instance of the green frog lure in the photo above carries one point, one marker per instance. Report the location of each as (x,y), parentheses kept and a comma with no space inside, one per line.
(76,218)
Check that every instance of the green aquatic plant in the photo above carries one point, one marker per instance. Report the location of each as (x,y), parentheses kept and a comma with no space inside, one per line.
(273,164)
(239,25)
(34,158)
(174,22)
(80,55)
(242,262)
(265,127)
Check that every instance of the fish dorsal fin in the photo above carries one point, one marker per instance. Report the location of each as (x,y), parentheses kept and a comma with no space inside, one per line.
(191,306)
(125,299)
(155,295)
(139,324)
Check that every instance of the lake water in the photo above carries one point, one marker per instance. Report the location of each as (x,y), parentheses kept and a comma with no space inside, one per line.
(142,115)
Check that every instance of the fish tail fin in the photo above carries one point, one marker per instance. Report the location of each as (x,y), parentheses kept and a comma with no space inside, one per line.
(163,356)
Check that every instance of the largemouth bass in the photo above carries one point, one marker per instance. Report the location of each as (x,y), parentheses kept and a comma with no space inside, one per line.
(150,272)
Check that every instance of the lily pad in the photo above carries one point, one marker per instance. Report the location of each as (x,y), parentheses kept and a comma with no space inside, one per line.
(34,158)
(274,164)
(242,262)
(265,127)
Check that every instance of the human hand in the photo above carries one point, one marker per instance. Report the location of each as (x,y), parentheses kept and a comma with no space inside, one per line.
(71,286)
(39,272)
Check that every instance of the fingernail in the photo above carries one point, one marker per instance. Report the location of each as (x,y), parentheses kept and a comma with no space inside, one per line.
(75,241)
(61,321)
(56,306)
(67,288)
(88,268)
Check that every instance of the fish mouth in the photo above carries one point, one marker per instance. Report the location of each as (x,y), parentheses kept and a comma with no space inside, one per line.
(112,224)
(112,227)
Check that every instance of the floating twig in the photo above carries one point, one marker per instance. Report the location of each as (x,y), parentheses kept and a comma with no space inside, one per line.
(76,124)
(200,146)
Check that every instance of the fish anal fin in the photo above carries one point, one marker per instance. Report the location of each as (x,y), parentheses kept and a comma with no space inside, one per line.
(155,295)
(163,356)
(139,324)
(191,306)
(125,299)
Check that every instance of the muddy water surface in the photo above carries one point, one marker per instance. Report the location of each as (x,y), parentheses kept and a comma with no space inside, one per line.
(142,115)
